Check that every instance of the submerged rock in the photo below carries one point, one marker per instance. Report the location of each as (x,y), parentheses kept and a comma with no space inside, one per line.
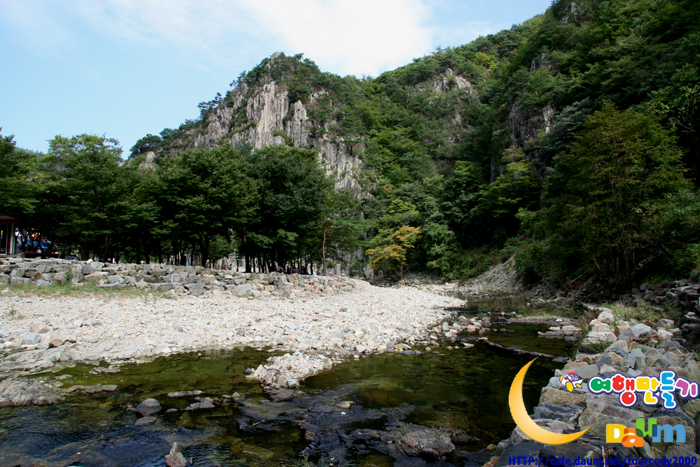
(19,392)
(148,407)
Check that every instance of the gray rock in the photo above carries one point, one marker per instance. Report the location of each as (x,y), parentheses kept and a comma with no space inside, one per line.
(564,412)
(19,392)
(20,281)
(636,359)
(115,279)
(38,328)
(42,283)
(29,338)
(145,421)
(195,289)
(635,332)
(4,333)
(205,403)
(243,290)
(175,457)
(148,407)
(586,372)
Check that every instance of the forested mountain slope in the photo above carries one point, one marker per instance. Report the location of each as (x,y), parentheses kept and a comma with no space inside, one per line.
(569,141)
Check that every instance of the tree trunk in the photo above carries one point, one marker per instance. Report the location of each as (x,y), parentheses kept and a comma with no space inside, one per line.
(323,251)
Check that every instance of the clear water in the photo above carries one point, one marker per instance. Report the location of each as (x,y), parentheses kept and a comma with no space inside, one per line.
(457,388)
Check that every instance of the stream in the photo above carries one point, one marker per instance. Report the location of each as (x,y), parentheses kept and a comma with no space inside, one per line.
(349,415)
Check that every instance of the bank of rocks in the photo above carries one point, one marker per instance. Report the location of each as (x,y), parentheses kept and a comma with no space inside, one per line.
(185,280)
(40,333)
(633,349)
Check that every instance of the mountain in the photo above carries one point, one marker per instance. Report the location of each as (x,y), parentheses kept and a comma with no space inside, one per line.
(477,145)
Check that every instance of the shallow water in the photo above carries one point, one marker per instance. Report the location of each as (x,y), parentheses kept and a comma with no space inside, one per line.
(457,388)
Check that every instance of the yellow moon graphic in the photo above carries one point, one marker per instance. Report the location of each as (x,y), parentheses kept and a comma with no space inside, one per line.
(528,425)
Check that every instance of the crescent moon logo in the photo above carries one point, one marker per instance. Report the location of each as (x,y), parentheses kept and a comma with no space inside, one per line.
(527,424)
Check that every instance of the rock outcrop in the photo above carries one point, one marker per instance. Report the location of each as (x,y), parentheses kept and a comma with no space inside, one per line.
(271,118)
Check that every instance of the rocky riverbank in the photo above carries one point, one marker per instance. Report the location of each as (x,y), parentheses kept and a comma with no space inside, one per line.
(40,333)
(633,349)
(176,280)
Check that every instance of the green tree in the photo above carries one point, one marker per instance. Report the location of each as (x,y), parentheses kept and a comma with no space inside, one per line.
(291,187)
(391,251)
(204,194)
(341,225)
(610,192)
(146,144)
(18,194)
(87,188)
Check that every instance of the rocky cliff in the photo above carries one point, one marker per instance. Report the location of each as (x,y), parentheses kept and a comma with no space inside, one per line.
(266,115)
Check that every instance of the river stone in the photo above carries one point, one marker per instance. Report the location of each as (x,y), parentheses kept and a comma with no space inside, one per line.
(205,403)
(175,457)
(38,328)
(145,421)
(577,450)
(599,337)
(148,407)
(196,392)
(564,412)
(636,359)
(19,392)
(526,449)
(556,396)
(195,289)
(29,338)
(115,279)
(95,277)
(243,290)
(587,372)
(635,332)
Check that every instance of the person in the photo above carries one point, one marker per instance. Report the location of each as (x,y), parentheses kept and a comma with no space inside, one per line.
(43,245)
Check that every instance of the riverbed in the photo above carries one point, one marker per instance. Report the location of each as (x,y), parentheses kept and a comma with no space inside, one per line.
(448,386)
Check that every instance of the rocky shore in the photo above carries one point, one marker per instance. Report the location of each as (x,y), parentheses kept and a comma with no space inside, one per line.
(317,328)
(630,349)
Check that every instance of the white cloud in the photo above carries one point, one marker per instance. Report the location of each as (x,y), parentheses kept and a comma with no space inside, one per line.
(346,37)
(358,37)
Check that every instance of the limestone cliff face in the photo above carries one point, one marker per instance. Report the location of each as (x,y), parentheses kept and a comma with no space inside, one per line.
(525,123)
(265,116)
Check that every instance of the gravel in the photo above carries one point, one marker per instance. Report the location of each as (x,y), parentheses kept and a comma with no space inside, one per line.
(365,320)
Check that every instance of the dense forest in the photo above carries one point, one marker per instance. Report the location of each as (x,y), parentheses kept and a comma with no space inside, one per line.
(569,142)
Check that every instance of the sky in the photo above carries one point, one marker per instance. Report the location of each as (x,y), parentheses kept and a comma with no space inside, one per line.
(127,68)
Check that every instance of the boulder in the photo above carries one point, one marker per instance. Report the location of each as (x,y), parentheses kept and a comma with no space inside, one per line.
(243,290)
(557,396)
(29,338)
(148,407)
(195,289)
(636,331)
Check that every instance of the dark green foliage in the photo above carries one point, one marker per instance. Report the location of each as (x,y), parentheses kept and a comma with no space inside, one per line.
(84,195)
(17,166)
(205,193)
(146,144)
(611,190)
(291,187)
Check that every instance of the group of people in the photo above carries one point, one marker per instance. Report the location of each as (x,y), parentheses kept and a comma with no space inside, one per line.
(35,244)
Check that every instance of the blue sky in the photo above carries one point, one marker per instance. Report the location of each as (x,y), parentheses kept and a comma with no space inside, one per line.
(125,68)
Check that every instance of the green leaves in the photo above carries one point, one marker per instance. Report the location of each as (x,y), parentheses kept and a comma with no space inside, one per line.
(611,190)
